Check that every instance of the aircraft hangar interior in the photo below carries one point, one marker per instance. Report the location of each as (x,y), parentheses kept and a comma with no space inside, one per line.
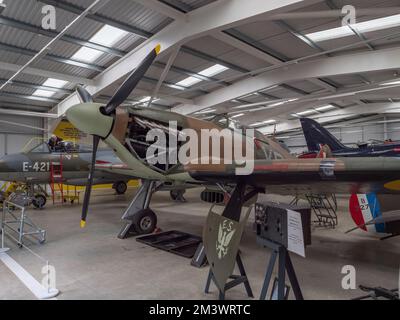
(199,150)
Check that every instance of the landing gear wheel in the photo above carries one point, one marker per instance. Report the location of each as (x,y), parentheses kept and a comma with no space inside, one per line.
(39,201)
(145,221)
(120,187)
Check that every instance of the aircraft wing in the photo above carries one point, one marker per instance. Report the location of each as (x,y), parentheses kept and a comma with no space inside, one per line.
(302,176)
(117,168)
(391,216)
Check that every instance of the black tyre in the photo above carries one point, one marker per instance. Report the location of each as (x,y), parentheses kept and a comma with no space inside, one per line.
(120,187)
(145,221)
(39,201)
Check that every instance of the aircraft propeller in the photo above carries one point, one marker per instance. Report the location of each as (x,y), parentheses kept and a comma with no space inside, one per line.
(119,97)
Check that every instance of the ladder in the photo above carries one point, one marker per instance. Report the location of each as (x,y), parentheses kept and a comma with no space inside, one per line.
(56,179)
(324,208)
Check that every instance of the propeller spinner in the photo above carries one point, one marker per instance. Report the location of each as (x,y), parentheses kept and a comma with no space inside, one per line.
(96,119)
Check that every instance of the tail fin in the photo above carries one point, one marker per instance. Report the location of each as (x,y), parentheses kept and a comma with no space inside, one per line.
(316,135)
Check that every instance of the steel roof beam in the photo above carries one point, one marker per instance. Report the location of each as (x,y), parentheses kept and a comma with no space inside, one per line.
(98,17)
(162,8)
(51,34)
(220,15)
(386,59)
(45,74)
(51,57)
(24,106)
(188,73)
(37,87)
(210,58)
(27,97)
(255,49)
(28,114)
(337,115)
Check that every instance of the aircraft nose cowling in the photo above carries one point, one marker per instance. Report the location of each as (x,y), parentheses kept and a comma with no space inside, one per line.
(88,118)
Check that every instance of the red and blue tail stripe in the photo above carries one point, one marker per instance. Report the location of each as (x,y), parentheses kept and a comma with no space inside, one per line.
(365,208)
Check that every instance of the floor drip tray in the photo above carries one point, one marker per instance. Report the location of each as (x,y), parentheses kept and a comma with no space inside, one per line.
(177,242)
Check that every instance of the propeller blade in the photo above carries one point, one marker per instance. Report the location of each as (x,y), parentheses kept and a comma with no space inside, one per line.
(96,140)
(84,94)
(131,82)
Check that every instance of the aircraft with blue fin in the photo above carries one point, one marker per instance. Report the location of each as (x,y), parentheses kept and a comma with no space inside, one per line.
(316,135)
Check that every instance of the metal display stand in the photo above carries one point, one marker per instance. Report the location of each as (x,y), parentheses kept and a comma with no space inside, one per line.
(236,280)
(3,249)
(24,225)
(324,208)
(285,266)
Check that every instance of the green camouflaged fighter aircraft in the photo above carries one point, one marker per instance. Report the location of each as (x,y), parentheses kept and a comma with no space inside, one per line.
(275,171)
(34,166)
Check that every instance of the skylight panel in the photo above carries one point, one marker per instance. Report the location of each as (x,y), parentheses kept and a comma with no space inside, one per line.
(147,99)
(326,108)
(188,82)
(206,111)
(55,83)
(214,70)
(87,54)
(392,83)
(305,113)
(209,72)
(43,93)
(237,116)
(263,123)
(363,27)
(107,36)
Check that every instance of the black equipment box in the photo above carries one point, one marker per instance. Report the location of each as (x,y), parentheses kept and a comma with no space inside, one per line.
(271,221)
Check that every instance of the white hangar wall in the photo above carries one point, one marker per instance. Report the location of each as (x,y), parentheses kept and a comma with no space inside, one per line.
(13,137)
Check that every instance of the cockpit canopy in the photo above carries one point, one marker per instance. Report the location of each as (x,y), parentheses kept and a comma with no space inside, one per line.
(62,147)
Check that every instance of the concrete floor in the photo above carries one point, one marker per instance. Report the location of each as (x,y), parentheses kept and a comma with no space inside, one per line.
(94,264)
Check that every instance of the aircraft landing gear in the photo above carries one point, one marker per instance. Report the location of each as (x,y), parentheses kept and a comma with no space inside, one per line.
(145,221)
(178,195)
(139,218)
(39,201)
(120,187)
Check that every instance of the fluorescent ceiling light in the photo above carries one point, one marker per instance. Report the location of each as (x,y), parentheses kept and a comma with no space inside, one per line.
(107,36)
(390,83)
(206,111)
(282,102)
(147,99)
(362,27)
(326,108)
(263,122)
(209,72)
(237,115)
(304,113)
(55,83)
